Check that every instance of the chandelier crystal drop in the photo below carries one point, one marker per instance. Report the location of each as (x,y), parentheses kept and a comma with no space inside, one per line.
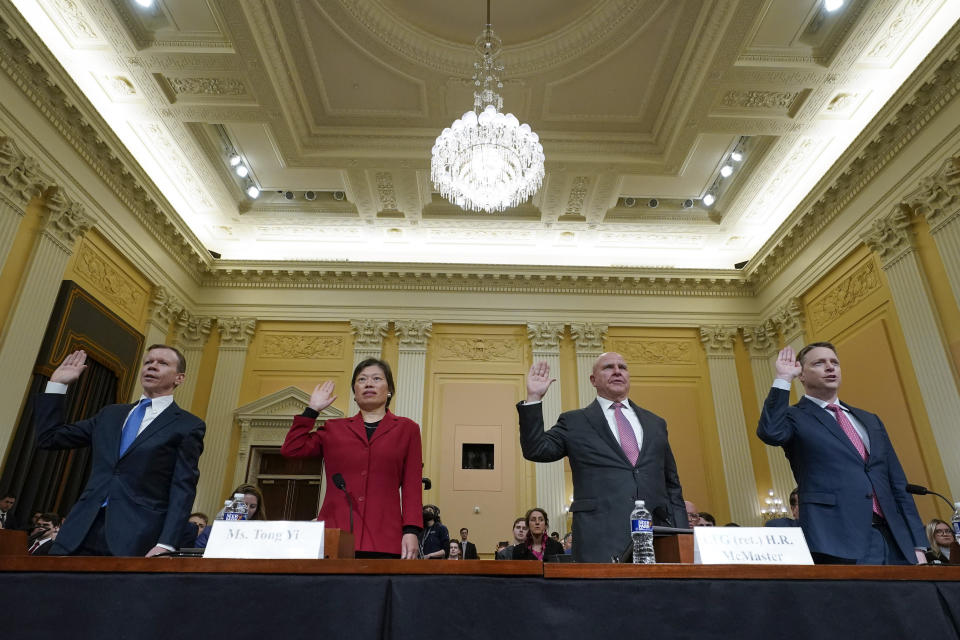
(486,160)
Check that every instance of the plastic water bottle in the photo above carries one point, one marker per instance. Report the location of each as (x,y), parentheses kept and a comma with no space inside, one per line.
(237,509)
(223,512)
(641,532)
(955,521)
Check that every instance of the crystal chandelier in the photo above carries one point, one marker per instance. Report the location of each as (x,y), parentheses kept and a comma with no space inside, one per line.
(486,160)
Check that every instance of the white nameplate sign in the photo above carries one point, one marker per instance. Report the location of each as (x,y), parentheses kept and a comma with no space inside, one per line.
(750,545)
(265,539)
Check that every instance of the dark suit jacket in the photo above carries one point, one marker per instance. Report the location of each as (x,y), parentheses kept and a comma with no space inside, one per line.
(374,470)
(468,550)
(781,522)
(605,484)
(551,548)
(835,485)
(151,488)
(44,549)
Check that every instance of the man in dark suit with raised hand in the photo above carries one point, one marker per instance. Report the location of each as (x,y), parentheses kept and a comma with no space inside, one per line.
(144,472)
(618,453)
(854,507)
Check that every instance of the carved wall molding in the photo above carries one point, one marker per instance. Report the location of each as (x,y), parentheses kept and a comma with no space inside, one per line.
(761,339)
(193,331)
(106,279)
(545,336)
(21,179)
(413,334)
(718,340)
(652,351)
(588,336)
(300,347)
(757,99)
(210,87)
(369,334)
(487,349)
(938,196)
(891,237)
(843,295)
(66,220)
(164,308)
(236,333)
(789,319)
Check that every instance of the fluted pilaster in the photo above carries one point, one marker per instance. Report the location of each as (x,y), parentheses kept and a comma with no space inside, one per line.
(235,336)
(20,182)
(731,424)
(891,239)
(588,339)
(191,338)
(65,221)
(367,343)
(545,340)
(938,201)
(761,341)
(412,336)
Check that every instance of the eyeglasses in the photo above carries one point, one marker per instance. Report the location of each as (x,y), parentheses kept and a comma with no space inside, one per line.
(942,531)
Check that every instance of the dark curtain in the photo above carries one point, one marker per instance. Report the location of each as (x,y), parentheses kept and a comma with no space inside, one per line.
(53,480)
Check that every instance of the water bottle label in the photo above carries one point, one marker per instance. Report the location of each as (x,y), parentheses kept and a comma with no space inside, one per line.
(641,525)
(232,516)
(956,529)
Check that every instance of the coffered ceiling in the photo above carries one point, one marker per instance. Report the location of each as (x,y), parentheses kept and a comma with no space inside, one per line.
(333,105)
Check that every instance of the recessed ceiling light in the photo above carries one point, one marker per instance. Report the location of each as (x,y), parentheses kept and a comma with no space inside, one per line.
(234,159)
(726,170)
(253,191)
(144,3)
(736,156)
(708,199)
(832,5)
(242,170)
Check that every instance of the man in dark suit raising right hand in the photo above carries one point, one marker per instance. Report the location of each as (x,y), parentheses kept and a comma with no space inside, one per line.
(618,453)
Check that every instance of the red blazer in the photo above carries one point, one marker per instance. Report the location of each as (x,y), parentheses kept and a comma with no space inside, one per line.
(374,471)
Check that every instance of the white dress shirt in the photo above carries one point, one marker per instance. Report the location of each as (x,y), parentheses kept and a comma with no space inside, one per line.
(610,414)
(157,405)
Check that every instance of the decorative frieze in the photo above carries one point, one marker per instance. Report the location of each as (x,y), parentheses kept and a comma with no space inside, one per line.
(480,349)
(104,278)
(649,351)
(843,295)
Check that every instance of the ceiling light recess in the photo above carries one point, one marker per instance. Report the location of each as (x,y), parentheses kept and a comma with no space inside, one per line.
(486,160)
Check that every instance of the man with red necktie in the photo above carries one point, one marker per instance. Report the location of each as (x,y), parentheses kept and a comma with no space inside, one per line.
(618,453)
(854,507)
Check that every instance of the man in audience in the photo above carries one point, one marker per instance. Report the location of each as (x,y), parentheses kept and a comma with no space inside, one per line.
(856,508)
(144,470)
(519,537)
(468,550)
(43,534)
(794,511)
(618,452)
(693,516)
(706,520)
(6,511)
(568,543)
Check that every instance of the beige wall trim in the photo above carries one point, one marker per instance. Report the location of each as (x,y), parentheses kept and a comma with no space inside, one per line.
(545,340)
(411,367)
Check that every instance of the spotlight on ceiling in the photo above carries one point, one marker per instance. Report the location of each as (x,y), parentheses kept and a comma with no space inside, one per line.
(726,170)
(653,203)
(234,159)
(289,195)
(146,4)
(310,195)
(736,156)
(687,204)
(832,5)
(253,191)
(709,199)
(629,202)
(242,170)
(339,196)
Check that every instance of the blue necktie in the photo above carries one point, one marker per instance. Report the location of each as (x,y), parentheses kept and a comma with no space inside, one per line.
(132,425)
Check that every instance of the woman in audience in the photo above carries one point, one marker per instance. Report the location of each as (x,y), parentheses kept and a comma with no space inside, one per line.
(252,497)
(940,537)
(371,455)
(538,545)
(454,550)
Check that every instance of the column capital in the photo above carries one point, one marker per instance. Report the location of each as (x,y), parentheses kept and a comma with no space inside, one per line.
(788,319)
(760,339)
(890,237)
(236,333)
(20,177)
(66,219)
(588,336)
(193,331)
(413,334)
(369,333)
(718,340)
(938,197)
(545,336)
(164,308)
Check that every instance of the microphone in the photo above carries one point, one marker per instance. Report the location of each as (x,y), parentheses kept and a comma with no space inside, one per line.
(426,483)
(919,490)
(341,484)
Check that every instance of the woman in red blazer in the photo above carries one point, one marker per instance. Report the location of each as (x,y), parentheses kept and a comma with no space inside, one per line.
(377,453)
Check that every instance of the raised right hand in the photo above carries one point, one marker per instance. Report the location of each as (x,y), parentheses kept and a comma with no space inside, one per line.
(322,396)
(70,369)
(538,381)
(787,366)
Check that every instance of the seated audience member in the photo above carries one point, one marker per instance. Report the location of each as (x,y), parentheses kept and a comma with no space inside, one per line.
(434,538)
(519,536)
(693,516)
(538,545)
(568,543)
(199,519)
(794,511)
(555,535)
(454,553)
(731,524)
(43,534)
(940,537)
(706,520)
(6,511)
(502,546)
(255,511)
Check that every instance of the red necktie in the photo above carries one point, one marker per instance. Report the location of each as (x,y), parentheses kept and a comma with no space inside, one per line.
(851,432)
(628,439)
(33,547)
